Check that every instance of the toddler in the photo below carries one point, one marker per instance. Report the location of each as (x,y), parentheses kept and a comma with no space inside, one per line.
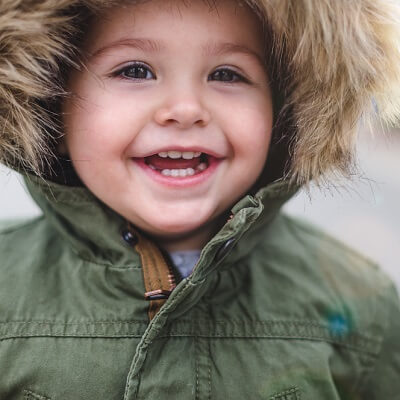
(161,138)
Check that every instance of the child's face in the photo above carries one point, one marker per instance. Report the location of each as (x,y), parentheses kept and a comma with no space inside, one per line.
(168,75)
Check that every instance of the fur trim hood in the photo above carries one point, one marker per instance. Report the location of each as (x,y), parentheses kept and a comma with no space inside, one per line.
(342,63)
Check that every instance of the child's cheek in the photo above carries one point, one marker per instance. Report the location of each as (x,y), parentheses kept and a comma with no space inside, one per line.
(97,124)
(252,131)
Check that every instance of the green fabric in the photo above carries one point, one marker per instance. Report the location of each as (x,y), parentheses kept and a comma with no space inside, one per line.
(288,313)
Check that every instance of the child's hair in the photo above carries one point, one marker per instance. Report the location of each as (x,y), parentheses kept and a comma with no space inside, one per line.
(324,77)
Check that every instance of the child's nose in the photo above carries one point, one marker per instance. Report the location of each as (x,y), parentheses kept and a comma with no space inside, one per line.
(182,111)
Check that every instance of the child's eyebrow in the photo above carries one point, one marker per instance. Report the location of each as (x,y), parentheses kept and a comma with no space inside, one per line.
(216,49)
(146,45)
(152,46)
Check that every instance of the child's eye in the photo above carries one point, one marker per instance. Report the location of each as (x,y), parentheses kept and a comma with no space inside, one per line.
(226,75)
(135,71)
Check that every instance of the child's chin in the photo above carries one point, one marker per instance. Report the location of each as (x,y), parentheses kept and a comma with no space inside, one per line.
(184,231)
(177,230)
(175,224)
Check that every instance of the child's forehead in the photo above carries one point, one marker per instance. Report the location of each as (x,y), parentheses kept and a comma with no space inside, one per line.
(157,16)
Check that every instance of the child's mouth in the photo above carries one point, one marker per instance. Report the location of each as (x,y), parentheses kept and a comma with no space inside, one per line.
(180,168)
(178,164)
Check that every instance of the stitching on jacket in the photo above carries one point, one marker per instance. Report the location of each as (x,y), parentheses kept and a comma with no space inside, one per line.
(84,336)
(98,322)
(161,313)
(145,341)
(305,323)
(196,351)
(108,265)
(357,343)
(289,394)
(100,264)
(209,370)
(209,358)
(317,339)
(370,370)
(297,323)
(29,395)
(126,335)
(197,368)
(118,329)
(365,375)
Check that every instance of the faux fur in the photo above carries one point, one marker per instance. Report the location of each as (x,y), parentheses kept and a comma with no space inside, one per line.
(343,58)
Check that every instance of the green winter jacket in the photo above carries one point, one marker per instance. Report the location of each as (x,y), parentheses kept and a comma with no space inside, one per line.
(91,309)
(273,310)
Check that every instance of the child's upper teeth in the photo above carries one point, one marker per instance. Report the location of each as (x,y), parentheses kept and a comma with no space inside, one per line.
(187,155)
(174,154)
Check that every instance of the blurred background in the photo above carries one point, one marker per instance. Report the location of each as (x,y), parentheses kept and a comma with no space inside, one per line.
(363,213)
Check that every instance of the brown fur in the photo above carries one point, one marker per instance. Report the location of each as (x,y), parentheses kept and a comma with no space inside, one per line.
(343,57)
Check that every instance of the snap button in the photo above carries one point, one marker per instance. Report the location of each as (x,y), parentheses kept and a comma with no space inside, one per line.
(129,237)
(225,249)
(158,294)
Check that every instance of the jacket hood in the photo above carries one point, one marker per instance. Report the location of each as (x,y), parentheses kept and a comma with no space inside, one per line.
(341,60)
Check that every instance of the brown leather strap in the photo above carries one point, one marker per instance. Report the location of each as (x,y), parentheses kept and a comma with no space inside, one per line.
(158,278)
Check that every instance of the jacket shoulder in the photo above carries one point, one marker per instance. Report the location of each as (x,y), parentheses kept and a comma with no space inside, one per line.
(9,225)
(319,250)
(324,279)
(24,239)
(26,248)
(16,235)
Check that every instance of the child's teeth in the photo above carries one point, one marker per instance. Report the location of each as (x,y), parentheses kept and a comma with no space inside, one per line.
(187,155)
(202,167)
(174,154)
(178,172)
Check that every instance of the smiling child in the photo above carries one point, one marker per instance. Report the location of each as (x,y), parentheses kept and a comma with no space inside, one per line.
(181,81)
(161,139)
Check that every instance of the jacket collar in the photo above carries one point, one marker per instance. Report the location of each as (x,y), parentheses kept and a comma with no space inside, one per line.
(96,233)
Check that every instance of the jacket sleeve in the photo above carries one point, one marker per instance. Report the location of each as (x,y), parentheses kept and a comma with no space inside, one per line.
(384,379)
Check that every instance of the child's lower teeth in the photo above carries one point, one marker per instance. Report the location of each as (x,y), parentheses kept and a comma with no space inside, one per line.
(178,172)
(182,173)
